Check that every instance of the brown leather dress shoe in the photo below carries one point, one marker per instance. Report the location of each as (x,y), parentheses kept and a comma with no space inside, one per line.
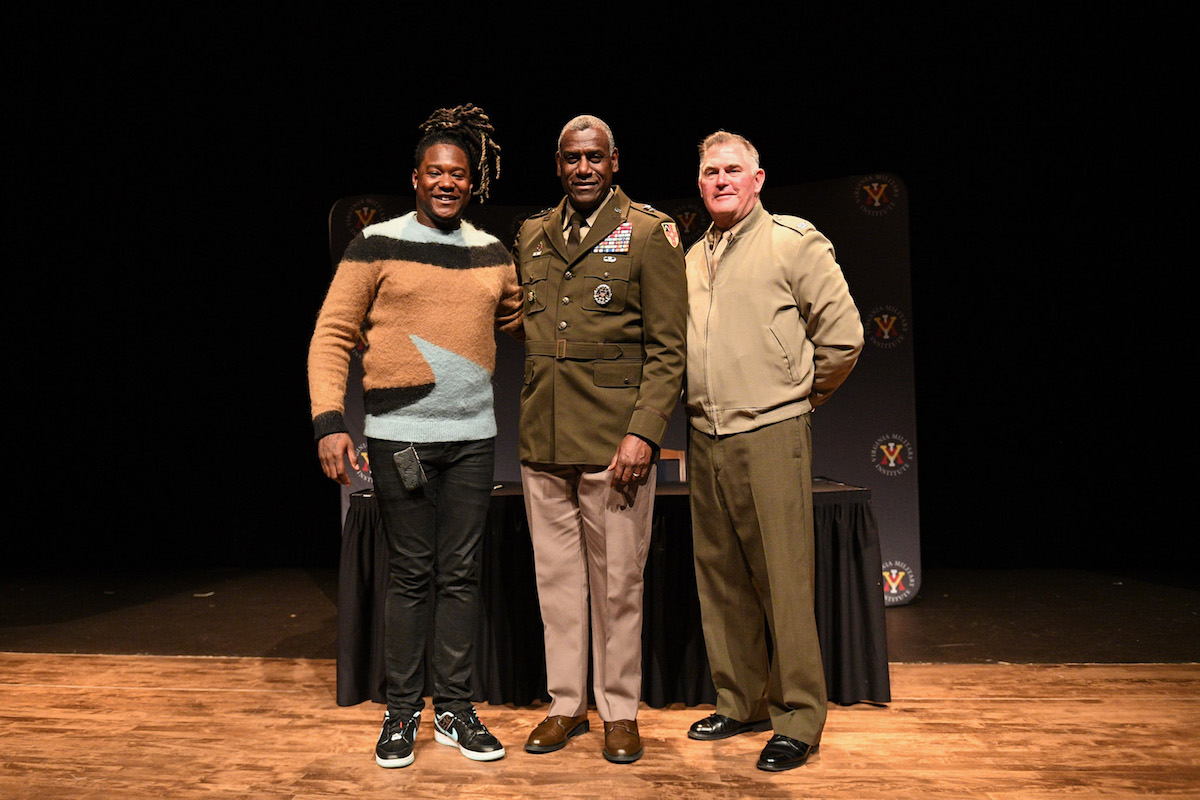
(622,744)
(552,733)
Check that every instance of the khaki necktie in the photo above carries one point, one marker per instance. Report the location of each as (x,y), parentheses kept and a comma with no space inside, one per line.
(717,242)
(573,236)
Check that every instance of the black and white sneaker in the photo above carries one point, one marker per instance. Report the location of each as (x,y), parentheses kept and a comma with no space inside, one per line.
(395,747)
(463,728)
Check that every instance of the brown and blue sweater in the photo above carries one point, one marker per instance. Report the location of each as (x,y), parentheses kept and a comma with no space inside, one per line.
(425,303)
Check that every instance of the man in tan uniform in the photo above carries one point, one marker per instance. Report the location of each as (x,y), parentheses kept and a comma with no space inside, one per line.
(605,312)
(772,332)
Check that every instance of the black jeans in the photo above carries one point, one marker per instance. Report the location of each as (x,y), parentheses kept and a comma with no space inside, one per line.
(434,535)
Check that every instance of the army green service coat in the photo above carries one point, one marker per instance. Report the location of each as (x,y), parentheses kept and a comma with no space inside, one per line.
(604,332)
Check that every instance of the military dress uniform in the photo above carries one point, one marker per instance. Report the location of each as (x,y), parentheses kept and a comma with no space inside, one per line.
(605,357)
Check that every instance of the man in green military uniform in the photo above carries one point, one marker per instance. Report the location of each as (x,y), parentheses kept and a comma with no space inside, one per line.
(605,299)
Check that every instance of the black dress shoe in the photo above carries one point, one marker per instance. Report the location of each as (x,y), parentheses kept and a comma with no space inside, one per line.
(719,726)
(783,752)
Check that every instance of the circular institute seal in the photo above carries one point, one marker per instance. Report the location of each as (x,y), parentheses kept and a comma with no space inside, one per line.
(361,213)
(364,464)
(877,195)
(693,220)
(892,454)
(899,583)
(886,327)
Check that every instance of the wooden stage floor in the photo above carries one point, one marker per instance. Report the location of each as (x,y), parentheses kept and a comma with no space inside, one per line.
(122,727)
(1017,684)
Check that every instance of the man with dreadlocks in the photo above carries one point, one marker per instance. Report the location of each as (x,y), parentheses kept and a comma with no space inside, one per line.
(605,314)
(426,291)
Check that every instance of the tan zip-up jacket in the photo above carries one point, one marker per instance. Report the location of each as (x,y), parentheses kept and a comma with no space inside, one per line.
(773,333)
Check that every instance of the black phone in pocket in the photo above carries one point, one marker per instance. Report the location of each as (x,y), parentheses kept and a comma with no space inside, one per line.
(412,474)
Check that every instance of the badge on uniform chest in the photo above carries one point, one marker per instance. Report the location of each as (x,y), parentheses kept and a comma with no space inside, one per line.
(617,241)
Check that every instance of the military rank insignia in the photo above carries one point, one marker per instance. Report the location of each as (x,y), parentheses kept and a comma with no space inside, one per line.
(617,241)
(672,233)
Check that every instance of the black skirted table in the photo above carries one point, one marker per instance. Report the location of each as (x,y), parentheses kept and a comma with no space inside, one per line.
(510,662)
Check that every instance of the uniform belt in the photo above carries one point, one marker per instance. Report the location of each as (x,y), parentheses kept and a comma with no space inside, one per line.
(561,348)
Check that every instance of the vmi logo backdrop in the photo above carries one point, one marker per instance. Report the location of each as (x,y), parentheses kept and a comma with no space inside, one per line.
(865,435)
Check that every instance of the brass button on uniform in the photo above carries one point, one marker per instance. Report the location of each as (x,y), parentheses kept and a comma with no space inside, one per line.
(568,274)
(562,326)
(566,301)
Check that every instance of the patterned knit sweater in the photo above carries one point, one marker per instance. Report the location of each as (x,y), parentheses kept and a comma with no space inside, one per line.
(426,303)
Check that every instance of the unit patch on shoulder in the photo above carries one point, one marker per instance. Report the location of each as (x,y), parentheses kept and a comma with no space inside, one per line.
(617,241)
(672,233)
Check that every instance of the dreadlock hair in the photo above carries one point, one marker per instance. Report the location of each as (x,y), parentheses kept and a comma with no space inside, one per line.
(466,127)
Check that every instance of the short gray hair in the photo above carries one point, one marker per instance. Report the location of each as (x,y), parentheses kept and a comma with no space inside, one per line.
(582,123)
(725,137)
